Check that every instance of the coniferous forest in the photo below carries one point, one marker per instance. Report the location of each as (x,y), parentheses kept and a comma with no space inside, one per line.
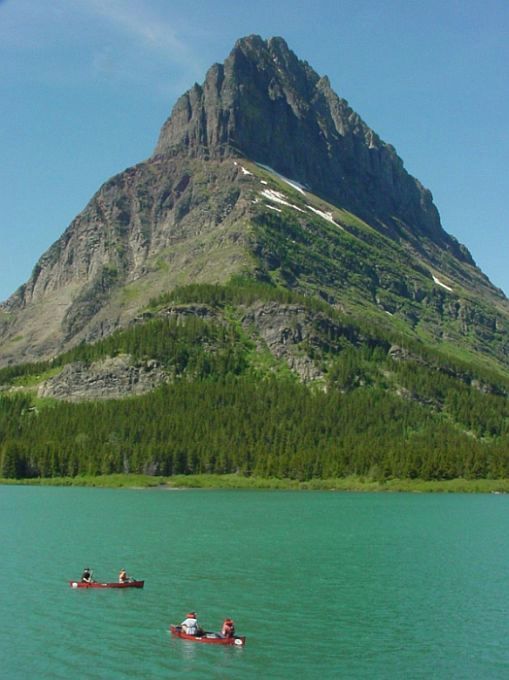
(230,406)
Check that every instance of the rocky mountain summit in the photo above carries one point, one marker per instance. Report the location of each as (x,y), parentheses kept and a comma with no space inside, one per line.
(261,171)
(265,104)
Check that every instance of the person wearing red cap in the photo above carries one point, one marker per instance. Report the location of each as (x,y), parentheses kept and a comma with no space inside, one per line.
(190,624)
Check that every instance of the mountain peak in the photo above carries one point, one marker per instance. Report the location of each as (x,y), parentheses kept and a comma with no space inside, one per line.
(265,104)
(222,117)
(256,44)
(202,209)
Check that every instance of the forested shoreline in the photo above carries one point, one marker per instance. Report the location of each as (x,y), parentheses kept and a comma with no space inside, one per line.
(235,482)
(272,429)
(230,407)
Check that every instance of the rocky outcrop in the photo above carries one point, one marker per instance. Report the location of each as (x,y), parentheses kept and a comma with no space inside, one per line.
(283,330)
(181,313)
(110,378)
(293,333)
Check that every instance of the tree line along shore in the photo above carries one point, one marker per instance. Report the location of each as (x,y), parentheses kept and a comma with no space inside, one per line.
(234,481)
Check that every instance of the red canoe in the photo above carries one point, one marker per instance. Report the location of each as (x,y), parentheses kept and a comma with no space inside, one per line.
(208,637)
(95,584)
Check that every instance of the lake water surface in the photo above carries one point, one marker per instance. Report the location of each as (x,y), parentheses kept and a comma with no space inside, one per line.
(324,584)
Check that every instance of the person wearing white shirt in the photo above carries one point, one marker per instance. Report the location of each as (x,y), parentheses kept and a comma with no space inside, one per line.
(190,624)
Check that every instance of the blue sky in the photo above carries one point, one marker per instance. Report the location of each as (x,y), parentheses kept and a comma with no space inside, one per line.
(85,86)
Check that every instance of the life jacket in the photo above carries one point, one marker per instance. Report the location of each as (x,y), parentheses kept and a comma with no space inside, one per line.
(228,628)
(190,626)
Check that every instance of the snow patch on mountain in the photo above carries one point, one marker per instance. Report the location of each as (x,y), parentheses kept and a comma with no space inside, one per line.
(441,283)
(278,197)
(325,215)
(293,183)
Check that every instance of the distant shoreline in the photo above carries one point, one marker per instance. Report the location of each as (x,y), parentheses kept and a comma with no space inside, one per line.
(232,481)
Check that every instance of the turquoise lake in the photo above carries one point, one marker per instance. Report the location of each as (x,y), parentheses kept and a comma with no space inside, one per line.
(323,584)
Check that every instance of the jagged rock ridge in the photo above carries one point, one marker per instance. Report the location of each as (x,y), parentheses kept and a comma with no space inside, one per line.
(265,104)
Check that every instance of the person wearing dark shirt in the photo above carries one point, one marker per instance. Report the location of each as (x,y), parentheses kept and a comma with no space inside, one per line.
(86,576)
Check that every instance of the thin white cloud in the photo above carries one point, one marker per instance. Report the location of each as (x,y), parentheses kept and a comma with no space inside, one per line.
(141,40)
(141,24)
(120,39)
(143,28)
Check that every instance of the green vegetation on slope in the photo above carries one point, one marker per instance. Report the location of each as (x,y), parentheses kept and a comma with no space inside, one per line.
(268,429)
(228,408)
(352,264)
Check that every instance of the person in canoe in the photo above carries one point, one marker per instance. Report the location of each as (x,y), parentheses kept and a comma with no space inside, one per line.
(190,624)
(123,577)
(86,576)
(228,629)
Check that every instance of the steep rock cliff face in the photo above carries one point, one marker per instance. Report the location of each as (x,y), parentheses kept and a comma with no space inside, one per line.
(265,104)
(156,225)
